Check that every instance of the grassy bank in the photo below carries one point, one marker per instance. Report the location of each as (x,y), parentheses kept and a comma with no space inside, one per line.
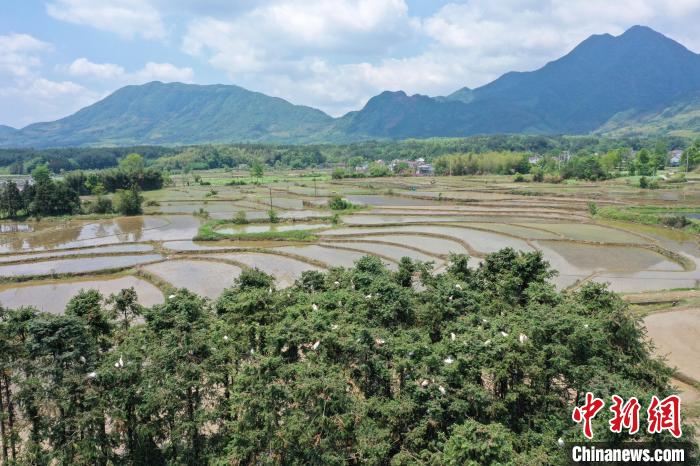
(207,232)
(651,215)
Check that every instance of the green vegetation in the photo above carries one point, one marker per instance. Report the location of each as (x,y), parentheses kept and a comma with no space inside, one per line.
(502,163)
(208,232)
(131,171)
(653,215)
(43,197)
(338,203)
(351,366)
(129,201)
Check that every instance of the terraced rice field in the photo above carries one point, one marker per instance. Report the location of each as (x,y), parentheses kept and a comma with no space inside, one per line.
(421,218)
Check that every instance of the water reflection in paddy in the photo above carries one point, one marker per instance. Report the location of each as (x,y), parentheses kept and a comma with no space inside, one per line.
(75,234)
(53,297)
(206,278)
(239,229)
(333,257)
(285,269)
(440,246)
(392,252)
(78,252)
(80,265)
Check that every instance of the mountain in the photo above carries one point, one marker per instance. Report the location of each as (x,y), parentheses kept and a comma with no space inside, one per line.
(603,76)
(640,82)
(157,113)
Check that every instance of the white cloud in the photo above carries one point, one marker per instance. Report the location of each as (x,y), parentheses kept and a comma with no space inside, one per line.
(24,93)
(288,31)
(20,54)
(167,72)
(40,99)
(84,67)
(128,18)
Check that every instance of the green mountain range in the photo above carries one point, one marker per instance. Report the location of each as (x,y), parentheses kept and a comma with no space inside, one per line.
(638,83)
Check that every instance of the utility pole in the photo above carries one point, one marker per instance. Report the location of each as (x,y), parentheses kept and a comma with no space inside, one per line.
(315,191)
(270,198)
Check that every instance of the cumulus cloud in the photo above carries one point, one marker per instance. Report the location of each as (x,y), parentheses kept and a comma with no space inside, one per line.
(128,18)
(24,93)
(20,54)
(151,71)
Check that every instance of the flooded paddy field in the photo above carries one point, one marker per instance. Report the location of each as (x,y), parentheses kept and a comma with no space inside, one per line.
(421,218)
(238,229)
(75,266)
(53,296)
(206,278)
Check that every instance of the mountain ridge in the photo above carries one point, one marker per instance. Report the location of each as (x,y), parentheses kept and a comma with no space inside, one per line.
(606,84)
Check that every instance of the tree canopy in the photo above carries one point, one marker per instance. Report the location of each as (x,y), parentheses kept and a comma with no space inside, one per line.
(353,366)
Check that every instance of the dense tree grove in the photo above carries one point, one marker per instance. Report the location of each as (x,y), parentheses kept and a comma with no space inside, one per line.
(43,197)
(208,156)
(354,366)
(501,163)
(132,171)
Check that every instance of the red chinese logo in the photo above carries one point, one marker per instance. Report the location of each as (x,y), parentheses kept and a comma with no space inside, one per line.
(665,415)
(626,415)
(587,412)
(662,415)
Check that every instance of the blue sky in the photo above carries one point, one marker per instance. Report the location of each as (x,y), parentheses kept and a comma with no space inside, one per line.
(60,55)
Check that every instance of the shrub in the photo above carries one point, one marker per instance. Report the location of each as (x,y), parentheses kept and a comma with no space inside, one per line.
(101,205)
(240,218)
(338,203)
(518,178)
(128,201)
(537,175)
(272,215)
(339,174)
(592,208)
(643,182)
(676,221)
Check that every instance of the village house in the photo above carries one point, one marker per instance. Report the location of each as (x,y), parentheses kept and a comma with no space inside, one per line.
(674,157)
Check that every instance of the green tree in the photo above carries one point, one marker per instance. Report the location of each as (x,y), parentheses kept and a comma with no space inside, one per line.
(11,202)
(129,201)
(257,169)
(132,164)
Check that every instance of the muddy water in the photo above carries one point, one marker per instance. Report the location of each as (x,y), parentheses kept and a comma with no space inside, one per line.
(590,232)
(206,278)
(285,270)
(375,200)
(53,297)
(437,245)
(75,234)
(239,229)
(81,265)
(609,258)
(78,252)
(330,256)
(517,230)
(482,241)
(392,252)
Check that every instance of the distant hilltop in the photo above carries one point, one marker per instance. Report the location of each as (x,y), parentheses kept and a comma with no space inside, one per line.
(635,84)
